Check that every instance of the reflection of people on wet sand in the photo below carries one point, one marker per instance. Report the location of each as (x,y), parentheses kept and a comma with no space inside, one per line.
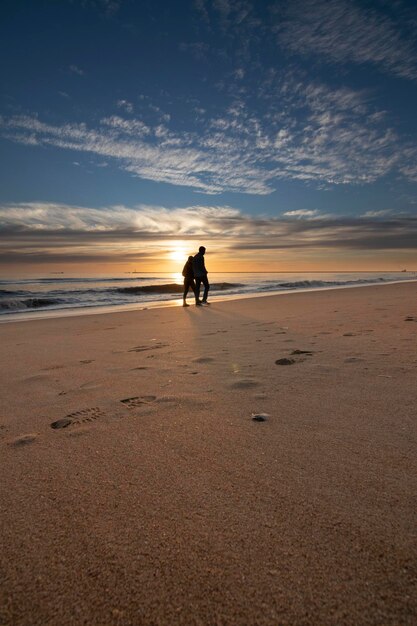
(188,274)
(200,274)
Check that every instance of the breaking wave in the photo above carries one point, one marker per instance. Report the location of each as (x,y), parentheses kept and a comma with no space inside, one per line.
(16,304)
(173,288)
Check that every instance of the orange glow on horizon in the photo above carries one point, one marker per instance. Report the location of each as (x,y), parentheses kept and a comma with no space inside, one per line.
(170,257)
(215,263)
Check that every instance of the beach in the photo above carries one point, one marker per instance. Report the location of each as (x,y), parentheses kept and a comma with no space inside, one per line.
(138,489)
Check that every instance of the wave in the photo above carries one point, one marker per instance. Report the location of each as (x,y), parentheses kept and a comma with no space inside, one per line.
(29,303)
(172,288)
(308,284)
(6,292)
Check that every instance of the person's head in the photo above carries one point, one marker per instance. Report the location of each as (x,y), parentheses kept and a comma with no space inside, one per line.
(202,249)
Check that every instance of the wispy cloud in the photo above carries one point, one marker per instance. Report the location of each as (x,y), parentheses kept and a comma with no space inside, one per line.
(111,6)
(74,69)
(298,131)
(381,213)
(125,105)
(144,219)
(53,229)
(201,8)
(345,31)
(309,214)
(156,154)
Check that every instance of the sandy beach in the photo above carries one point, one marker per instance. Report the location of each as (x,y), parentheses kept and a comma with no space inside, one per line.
(137,489)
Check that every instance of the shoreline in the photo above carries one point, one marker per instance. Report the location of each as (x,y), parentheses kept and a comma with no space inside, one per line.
(175,302)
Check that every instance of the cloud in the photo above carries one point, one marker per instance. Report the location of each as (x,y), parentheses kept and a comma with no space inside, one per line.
(155,153)
(74,69)
(132,127)
(301,213)
(125,105)
(111,6)
(53,230)
(148,220)
(201,8)
(298,130)
(342,31)
(381,213)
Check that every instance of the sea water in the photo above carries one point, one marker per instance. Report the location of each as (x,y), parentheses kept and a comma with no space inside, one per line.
(66,294)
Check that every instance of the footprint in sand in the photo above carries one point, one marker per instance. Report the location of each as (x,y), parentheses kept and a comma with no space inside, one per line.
(308,352)
(203,359)
(37,378)
(290,361)
(244,383)
(137,401)
(285,361)
(78,417)
(90,385)
(23,440)
(145,348)
(62,423)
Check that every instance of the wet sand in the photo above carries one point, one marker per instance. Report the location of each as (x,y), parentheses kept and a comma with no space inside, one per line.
(137,489)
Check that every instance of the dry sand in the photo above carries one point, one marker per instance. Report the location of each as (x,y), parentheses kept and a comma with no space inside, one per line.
(163,502)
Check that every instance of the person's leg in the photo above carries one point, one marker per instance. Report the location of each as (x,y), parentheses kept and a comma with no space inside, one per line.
(197,289)
(193,287)
(206,288)
(186,288)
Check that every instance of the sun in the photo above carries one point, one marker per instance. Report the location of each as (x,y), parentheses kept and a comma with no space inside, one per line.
(178,254)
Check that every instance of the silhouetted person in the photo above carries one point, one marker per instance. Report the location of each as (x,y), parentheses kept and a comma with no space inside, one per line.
(200,274)
(188,274)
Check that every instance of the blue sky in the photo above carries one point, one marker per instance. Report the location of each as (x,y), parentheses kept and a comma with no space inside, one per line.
(285,130)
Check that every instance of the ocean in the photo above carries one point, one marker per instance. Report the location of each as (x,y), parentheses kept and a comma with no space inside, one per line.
(61,295)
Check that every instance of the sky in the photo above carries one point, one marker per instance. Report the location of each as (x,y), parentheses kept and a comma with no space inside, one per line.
(280,135)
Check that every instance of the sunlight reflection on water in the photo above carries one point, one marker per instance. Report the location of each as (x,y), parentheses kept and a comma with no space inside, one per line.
(177,278)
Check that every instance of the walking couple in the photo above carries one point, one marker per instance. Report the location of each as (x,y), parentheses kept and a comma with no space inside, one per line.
(195,273)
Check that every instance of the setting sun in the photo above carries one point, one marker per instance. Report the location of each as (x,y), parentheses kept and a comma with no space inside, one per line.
(179,253)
